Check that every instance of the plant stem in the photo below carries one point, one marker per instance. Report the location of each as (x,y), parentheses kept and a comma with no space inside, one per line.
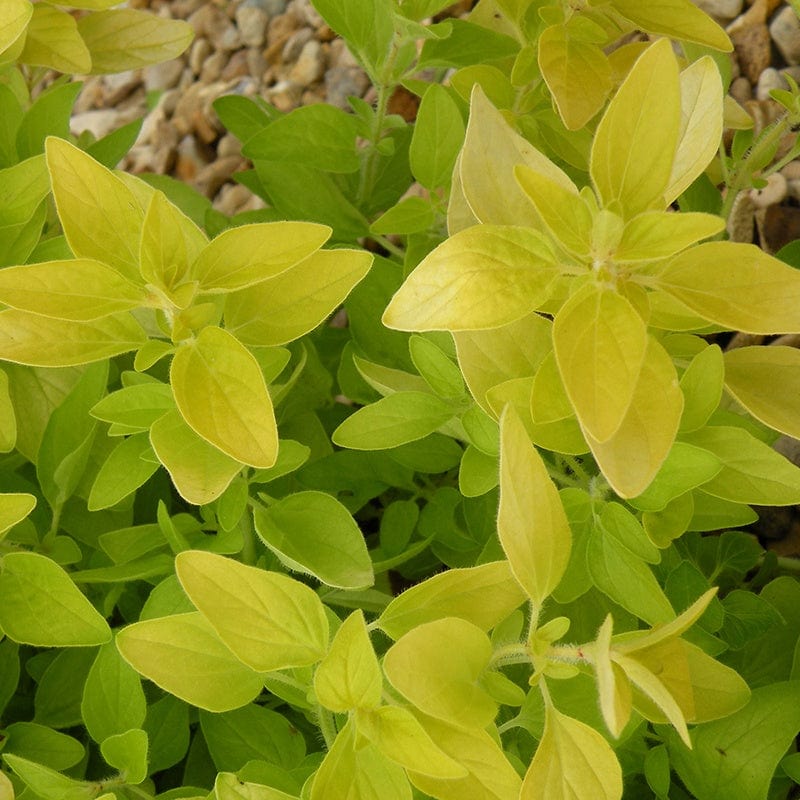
(249,552)
(326,725)
(508,654)
(386,244)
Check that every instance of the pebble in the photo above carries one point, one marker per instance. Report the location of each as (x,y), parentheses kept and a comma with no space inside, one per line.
(200,51)
(753,49)
(772,194)
(785,32)
(252,24)
(344,82)
(98,122)
(769,79)
(724,10)
(211,177)
(295,44)
(741,90)
(213,66)
(310,66)
(163,76)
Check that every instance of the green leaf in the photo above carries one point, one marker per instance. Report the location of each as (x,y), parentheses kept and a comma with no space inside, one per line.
(22,188)
(410,215)
(482,277)
(90,199)
(78,289)
(465,43)
(320,136)
(136,406)
(436,368)
(349,676)
(200,472)
(229,787)
(572,760)
(123,39)
(735,285)
(483,595)
(43,607)
(13,509)
(45,782)
(661,234)
(312,532)
(43,745)
(600,344)
(113,147)
(752,472)
(53,41)
(113,700)
(14,18)
(220,392)
(167,728)
(634,146)
(747,616)
(249,254)
(394,420)
(283,308)
(736,757)
(268,620)
(701,385)
(127,753)
(531,523)
(184,656)
(438,136)
(48,116)
(437,666)
(478,473)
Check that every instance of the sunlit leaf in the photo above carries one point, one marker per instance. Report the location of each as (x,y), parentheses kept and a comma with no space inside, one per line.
(52,40)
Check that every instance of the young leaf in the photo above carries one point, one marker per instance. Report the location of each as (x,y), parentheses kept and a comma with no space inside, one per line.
(613,687)
(482,277)
(128,466)
(437,667)
(735,285)
(52,40)
(127,753)
(394,420)
(43,607)
(268,620)
(200,472)
(220,392)
(572,760)
(437,139)
(660,234)
(90,198)
(766,381)
(124,38)
(249,254)
(312,532)
(531,523)
(401,738)
(78,289)
(483,595)
(184,656)
(701,385)
(634,146)
(349,676)
(600,343)
(136,406)
(283,308)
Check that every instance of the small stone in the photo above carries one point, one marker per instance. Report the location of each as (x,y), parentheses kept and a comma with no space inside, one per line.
(233,198)
(188,106)
(98,122)
(752,45)
(721,9)
(252,24)
(741,90)
(236,66)
(777,226)
(256,63)
(189,160)
(310,66)
(344,82)
(791,171)
(226,38)
(201,50)
(181,9)
(280,29)
(213,66)
(229,145)
(304,11)
(785,32)
(769,79)
(793,188)
(213,175)
(284,95)
(295,44)
(772,194)
(118,86)
(163,76)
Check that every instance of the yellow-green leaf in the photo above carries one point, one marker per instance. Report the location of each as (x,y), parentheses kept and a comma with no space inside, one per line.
(735,285)
(635,142)
(349,676)
(488,358)
(228,787)
(600,342)
(8,422)
(437,667)
(13,509)
(531,522)
(101,217)
(564,212)
(41,342)
(14,18)
(572,761)
(678,19)
(79,289)
(701,384)
(401,738)
(221,393)
(482,277)
(549,401)
(124,38)
(700,127)
(491,151)
(184,656)
(53,41)
(170,244)
(200,472)
(483,595)
(249,254)
(575,69)
(613,688)
(766,381)
(490,775)
(281,309)
(660,234)
(631,458)
(268,620)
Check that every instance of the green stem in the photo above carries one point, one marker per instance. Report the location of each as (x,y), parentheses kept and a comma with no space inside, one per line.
(386,244)
(249,551)
(788,564)
(326,725)
(55,523)
(516,653)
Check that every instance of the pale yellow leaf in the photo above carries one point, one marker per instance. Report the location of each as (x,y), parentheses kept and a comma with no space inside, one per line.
(600,343)
(613,688)
(53,41)
(660,234)
(14,18)
(483,277)
(13,509)
(221,393)
(634,145)
(531,522)
(459,214)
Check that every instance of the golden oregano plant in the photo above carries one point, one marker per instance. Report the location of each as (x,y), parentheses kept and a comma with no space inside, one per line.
(560,372)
